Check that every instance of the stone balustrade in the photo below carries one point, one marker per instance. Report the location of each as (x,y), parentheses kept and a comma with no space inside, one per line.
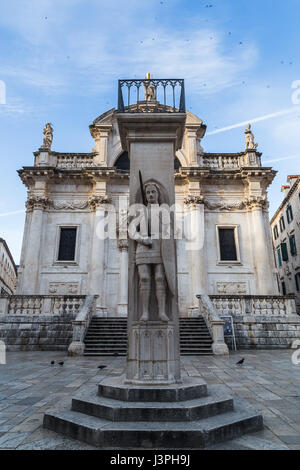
(215,325)
(254,305)
(229,161)
(41,304)
(75,160)
(269,321)
(219,162)
(81,324)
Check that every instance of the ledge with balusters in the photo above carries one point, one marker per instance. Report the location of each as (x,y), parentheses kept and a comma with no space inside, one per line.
(44,322)
(260,321)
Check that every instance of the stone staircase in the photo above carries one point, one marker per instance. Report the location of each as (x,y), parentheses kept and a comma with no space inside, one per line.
(195,338)
(108,337)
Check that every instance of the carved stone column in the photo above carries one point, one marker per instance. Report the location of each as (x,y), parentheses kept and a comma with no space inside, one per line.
(101,135)
(35,204)
(97,268)
(262,264)
(194,134)
(123,279)
(195,251)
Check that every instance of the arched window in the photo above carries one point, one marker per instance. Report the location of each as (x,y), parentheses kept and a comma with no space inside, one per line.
(123,162)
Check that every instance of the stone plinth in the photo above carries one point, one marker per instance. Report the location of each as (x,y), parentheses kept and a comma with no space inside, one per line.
(178,416)
(151,354)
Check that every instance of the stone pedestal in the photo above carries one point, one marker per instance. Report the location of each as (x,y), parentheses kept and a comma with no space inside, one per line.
(151,353)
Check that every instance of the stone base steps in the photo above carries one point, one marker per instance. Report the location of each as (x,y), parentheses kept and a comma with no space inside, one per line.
(174,420)
(108,337)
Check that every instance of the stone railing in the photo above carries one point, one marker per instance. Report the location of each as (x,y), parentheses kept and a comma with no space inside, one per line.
(254,305)
(221,162)
(81,324)
(229,161)
(214,324)
(75,160)
(41,304)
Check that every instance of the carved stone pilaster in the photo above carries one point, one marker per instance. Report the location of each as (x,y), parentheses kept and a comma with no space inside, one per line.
(37,202)
(101,135)
(96,201)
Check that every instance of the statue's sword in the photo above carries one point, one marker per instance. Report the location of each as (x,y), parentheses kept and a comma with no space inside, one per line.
(144,201)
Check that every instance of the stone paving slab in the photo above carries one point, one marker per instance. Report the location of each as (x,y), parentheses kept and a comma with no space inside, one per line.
(29,386)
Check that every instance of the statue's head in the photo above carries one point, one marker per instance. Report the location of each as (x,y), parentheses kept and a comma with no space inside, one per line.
(152,193)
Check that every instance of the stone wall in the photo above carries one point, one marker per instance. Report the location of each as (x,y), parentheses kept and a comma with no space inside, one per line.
(265,332)
(261,321)
(36,333)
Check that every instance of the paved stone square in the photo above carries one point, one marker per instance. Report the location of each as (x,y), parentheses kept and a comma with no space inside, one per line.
(29,385)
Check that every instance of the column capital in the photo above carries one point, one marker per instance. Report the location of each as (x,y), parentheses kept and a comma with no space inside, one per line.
(257,202)
(37,202)
(193,200)
(97,200)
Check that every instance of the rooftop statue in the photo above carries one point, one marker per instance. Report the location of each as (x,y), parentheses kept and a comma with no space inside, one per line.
(250,144)
(48,136)
(150,90)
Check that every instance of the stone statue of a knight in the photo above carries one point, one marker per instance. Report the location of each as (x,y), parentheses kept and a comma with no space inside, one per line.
(155,257)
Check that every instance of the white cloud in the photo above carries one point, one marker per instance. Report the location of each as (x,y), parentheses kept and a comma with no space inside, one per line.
(61,51)
(266,117)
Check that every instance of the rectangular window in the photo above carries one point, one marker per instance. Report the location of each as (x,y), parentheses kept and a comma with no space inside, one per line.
(275,232)
(279,258)
(67,244)
(228,251)
(289,214)
(282,224)
(283,287)
(293,245)
(297,279)
(284,252)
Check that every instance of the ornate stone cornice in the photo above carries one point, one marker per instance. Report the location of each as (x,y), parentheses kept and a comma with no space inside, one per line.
(96,201)
(37,202)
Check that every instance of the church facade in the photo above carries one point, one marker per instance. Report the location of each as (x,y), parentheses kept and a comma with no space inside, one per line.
(68,193)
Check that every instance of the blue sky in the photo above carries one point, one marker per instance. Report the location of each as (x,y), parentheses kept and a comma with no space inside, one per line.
(60,61)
